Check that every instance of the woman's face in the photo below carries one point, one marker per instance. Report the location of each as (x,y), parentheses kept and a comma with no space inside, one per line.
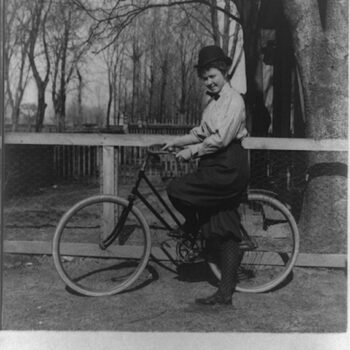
(213,80)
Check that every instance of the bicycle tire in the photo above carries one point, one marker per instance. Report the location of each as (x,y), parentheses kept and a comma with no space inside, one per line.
(270,225)
(80,261)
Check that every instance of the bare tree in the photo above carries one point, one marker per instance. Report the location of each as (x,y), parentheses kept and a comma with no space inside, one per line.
(113,57)
(80,95)
(67,48)
(39,10)
(136,81)
(151,71)
(115,15)
(15,57)
(186,41)
(156,58)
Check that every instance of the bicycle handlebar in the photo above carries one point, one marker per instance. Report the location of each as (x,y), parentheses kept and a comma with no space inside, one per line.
(154,154)
(157,153)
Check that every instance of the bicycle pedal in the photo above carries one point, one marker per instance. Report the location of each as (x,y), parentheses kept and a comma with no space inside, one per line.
(191,260)
(175,236)
(179,235)
(247,245)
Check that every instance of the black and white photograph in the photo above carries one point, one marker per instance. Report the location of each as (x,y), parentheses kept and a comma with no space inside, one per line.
(174,174)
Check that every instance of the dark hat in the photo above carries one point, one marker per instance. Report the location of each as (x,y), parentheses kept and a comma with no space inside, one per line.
(210,54)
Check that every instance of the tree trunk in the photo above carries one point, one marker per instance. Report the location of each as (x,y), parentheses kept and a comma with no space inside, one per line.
(115,98)
(214,22)
(321,53)
(38,25)
(80,97)
(63,86)
(151,93)
(41,109)
(136,82)
(164,81)
(109,103)
(15,117)
(60,115)
(121,66)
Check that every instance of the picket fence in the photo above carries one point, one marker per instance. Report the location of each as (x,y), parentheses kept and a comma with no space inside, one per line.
(79,162)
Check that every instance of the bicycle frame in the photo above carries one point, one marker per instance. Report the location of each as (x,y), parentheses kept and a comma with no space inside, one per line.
(136,194)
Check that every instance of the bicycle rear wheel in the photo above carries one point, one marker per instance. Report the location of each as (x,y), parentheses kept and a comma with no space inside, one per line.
(80,261)
(272,228)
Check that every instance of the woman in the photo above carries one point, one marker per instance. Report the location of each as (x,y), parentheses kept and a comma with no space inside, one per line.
(208,198)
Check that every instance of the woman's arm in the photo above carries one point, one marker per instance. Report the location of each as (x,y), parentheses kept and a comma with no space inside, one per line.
(230,126)
(181,141)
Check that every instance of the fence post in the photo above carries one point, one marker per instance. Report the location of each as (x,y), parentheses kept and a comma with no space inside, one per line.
(110,162)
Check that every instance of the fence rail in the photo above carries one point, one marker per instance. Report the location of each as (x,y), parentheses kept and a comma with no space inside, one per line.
(142,140)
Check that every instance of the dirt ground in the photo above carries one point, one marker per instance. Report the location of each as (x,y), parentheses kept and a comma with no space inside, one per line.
(315,300)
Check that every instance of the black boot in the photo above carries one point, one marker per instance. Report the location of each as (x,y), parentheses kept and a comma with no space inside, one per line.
(216,298)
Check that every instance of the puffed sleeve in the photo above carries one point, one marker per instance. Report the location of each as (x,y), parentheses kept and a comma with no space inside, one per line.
(230,122)
(201,132)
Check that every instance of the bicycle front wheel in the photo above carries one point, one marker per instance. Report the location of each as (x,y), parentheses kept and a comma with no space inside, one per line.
(272,228)
(78,253)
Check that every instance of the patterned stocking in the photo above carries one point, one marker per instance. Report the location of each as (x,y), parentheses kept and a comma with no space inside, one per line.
(229,260)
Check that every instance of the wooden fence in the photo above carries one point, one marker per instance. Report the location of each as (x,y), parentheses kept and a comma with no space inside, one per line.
(82,161)
(76,162)
(110,148)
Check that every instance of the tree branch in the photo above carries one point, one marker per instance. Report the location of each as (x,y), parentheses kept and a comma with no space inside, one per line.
(125,14)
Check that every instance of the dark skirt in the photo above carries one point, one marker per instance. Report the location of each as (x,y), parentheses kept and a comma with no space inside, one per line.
(215,189)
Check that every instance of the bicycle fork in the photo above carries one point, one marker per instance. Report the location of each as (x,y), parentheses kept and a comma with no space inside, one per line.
(116,232)
(104,244)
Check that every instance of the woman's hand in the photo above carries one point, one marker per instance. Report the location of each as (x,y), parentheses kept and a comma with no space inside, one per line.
(180,141)
(184,154)
(169,146)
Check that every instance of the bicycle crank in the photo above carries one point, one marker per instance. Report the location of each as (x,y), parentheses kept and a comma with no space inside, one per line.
(188,251)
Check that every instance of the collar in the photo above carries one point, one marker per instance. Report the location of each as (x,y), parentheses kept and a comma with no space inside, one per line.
(222,92)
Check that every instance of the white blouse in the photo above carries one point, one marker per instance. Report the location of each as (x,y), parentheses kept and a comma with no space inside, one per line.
(223,121)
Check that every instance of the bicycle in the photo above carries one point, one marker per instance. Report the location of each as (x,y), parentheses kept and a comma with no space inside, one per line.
(103,243)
